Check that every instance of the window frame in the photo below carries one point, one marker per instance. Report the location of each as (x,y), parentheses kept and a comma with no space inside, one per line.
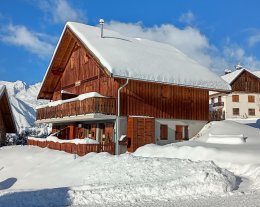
(251,99)
(253,114)
(235,98)
(236,114)
(163,132)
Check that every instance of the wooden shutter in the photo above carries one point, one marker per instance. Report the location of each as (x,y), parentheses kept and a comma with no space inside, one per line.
(163,132)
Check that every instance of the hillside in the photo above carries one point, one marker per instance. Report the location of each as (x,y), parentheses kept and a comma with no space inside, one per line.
(23,98)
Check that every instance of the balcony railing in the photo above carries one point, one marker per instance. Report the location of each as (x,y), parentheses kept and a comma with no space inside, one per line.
(218,104)
(105,106)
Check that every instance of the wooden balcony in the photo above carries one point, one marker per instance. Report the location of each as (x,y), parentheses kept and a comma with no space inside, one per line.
(105,106)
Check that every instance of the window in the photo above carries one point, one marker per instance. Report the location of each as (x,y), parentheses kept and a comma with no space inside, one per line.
(212,100)
(219,99)
(251,112)
(163,132)
(235,98)
(235,111)
(251,99)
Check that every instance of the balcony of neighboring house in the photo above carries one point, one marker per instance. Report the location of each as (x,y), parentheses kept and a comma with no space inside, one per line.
(84,104)
(218,104)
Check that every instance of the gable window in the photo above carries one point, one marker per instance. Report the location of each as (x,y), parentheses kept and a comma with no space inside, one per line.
(251,112)
(251,99)
(163,131)
(235,98)
(235,111)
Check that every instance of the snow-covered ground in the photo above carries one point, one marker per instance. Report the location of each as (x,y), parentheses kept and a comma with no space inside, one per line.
(194,173)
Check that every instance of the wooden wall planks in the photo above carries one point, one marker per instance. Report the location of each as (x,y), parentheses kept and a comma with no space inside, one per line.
(246,82)
(164,101)
(138,98)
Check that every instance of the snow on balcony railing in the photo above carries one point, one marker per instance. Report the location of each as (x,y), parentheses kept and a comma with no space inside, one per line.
(75,146)
(78,98)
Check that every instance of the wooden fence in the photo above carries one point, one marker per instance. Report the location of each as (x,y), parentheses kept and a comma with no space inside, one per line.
(79,149)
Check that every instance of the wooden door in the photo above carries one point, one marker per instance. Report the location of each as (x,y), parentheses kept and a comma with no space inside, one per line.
(140,131)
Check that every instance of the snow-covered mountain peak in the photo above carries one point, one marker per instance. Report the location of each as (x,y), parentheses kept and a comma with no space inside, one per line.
(23,99)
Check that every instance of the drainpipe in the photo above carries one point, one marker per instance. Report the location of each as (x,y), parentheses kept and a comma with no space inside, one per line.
(118,115)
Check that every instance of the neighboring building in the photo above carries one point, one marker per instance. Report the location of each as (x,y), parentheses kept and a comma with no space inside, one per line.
(163,94)
(243,101)
(7,123)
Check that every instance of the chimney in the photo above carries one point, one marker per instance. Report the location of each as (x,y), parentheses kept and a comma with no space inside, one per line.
(227,71)
(238,67)
(101,22)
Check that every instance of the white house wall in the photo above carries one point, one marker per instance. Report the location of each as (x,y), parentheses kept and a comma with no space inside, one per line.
(243,104)
(193,127)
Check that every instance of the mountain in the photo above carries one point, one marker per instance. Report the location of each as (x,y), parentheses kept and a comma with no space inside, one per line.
(23,99)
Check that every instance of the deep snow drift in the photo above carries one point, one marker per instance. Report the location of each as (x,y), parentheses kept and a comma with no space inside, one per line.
(241,158)
(103,178)
(180,174)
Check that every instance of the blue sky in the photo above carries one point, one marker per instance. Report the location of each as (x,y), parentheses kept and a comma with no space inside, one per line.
(216,33)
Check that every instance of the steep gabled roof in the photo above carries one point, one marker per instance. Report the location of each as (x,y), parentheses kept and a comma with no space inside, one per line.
(231,77)
(6,111)
(142,59)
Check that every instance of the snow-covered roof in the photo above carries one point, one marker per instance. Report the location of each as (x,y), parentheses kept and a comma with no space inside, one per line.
(230,77)
(256,73)
(142,59)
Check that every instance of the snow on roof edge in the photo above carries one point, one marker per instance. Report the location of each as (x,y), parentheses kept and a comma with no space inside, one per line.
(107,66)
(176,84)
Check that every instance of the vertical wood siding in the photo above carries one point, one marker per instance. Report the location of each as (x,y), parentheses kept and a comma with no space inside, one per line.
(164,101)
(138,98)
(246,82)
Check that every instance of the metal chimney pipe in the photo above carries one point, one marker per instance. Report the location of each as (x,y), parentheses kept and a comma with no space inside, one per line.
(101,22)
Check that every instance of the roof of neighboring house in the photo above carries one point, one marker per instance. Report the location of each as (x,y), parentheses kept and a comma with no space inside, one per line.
(231,77)
(6,111)
(142,59)
(256,73)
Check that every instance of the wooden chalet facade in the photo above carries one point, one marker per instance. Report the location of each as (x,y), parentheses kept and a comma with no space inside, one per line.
(7,123)
(145,106)
(244,99)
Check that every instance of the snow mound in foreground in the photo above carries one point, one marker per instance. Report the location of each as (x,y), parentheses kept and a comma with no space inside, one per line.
(242,159)
(103,178)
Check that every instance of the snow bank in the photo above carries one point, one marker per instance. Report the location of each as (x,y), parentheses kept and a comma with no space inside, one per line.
(242,159)
(103,178)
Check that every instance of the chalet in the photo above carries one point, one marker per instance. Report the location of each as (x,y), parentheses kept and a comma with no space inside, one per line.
(114,88)
(244,99)
(7,123)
